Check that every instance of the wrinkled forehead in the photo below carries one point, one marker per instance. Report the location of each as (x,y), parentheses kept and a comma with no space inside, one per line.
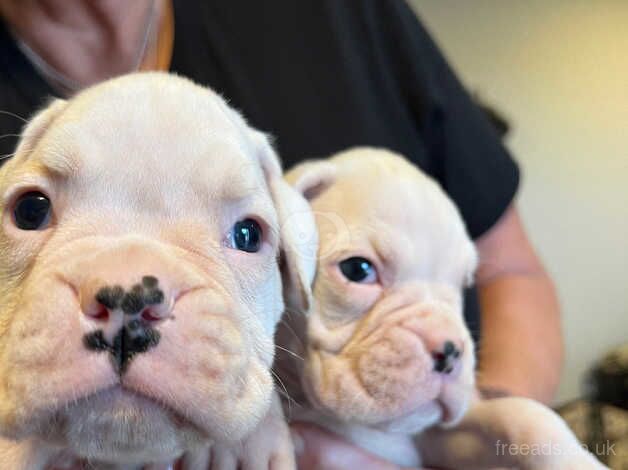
(402,220)
(168,134)
(399,203)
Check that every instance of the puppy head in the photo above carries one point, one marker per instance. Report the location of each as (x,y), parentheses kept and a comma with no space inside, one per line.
(386,341)
(139,284)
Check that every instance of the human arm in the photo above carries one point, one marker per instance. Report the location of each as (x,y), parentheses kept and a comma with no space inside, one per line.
(521,350)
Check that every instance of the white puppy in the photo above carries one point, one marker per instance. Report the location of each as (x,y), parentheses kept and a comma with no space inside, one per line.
(139,283)
(387,358)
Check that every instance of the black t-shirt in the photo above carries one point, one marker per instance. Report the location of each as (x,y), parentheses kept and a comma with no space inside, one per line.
(321,76)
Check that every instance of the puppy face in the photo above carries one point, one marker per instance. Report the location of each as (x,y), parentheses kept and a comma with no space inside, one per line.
(139,283)
(386,341)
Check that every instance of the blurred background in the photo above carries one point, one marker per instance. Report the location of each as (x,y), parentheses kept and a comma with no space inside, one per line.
(557,70)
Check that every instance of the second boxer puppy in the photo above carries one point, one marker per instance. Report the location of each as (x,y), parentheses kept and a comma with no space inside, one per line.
(387,360)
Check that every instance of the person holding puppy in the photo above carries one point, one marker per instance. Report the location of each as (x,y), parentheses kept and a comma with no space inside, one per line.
(320,76)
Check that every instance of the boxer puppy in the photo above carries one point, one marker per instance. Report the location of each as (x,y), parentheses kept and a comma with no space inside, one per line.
(140,287)
(383,357)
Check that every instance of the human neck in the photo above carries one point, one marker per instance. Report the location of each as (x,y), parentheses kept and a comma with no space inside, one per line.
(86,41)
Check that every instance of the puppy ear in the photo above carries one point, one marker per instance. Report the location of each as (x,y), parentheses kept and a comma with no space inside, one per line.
(298,234)
(312,177)
(37,126)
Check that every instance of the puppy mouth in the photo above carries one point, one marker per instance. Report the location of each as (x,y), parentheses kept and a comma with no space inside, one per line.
(119,402)
(118,411)
(455,405)
(334,386)
(82,464)
(135,425)
(68,462)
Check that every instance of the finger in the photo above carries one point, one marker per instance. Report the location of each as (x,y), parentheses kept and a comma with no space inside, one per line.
(66,465)
(195,460)
(160,466)
(282,462)
(222,459)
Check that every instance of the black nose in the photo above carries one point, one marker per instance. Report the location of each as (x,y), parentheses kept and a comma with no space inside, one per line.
(131,311)
(445,360)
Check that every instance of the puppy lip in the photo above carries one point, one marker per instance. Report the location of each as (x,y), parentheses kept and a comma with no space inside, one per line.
(118,392)
(451,414)
(178,419)
(77,463)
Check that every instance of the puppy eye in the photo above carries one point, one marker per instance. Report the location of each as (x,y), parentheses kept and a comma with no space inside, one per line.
(358,269)
(246,235)
(32,211)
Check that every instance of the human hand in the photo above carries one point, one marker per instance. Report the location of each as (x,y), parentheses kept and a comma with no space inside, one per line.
(318,449)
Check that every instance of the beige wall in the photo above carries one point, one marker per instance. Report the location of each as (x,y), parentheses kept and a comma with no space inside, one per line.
(558,70)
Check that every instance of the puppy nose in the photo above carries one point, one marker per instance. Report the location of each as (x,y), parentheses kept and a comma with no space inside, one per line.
(145,298)
(446,358)
(126,318)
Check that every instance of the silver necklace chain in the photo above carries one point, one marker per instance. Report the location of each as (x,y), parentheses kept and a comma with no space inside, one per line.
(67,86)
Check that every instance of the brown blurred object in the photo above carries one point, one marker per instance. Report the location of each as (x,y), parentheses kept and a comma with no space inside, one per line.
(601,421)
(606,436)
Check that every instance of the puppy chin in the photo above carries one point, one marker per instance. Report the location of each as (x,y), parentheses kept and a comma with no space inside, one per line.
(116,426)
(454,400)
(447,410)
(416,421)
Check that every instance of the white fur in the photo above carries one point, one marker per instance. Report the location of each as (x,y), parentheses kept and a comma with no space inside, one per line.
(147,174)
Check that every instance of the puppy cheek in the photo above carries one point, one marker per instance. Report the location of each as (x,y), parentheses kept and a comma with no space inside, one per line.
(258,280)
(371,383)
(17,256)
(266,302)
(44,340)
(397,371)
(323,378)
(224,364)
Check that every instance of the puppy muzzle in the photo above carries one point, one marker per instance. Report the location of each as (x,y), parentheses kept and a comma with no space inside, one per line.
(136,321)
(414,360)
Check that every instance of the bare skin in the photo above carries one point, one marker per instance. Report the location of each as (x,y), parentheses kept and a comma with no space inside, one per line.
(317,449)
(517,294)
(91,41)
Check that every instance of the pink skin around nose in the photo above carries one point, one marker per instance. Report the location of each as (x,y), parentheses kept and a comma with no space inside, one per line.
(111,305)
